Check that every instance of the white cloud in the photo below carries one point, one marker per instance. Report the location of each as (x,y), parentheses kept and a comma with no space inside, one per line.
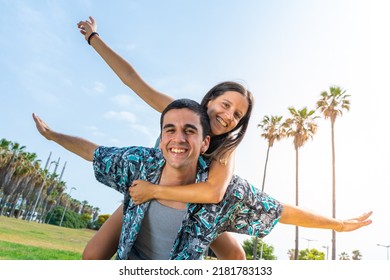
(95,131)
(96,89)
(130,47)
(121,116)
(99,87)
(123,100)
(114,141)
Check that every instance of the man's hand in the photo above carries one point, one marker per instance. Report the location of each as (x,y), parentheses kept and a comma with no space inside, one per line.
(76,145)
(42,127)
(87,27)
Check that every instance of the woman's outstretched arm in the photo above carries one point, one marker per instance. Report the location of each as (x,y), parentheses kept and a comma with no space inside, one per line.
(122,68)
(211,191)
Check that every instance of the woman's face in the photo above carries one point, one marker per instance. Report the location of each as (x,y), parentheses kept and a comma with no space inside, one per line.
(226,111)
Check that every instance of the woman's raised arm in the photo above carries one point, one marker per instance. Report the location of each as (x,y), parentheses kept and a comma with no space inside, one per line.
(211,191)
(122,68)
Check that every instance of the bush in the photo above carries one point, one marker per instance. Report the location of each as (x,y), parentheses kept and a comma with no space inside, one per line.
(71,219)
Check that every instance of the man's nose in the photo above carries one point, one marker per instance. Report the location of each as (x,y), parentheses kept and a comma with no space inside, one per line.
(180,136)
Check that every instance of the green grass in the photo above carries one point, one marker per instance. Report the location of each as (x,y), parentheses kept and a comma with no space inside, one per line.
(14,251)
(23,240)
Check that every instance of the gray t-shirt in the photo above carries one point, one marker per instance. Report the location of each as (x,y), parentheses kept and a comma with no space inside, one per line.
(158,232)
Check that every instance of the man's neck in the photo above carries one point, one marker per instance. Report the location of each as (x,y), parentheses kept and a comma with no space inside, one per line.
(174,177)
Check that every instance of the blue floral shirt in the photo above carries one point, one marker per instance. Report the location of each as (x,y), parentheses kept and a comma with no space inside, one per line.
(244,209)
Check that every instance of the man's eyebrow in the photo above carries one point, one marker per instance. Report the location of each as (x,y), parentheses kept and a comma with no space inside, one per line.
(191,126)
(188,125)
(168,125)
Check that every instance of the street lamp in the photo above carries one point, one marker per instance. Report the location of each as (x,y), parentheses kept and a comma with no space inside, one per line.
(387,247)
(66,205)
(308,242)
(43,185)
(327,251)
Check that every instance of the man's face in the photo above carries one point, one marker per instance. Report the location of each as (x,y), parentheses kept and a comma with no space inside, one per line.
(181,139)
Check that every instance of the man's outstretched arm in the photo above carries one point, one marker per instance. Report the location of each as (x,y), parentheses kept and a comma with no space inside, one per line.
(76,145)
(300,217)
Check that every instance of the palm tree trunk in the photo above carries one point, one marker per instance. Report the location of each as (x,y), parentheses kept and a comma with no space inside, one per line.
(296,203)
(333,192)
(265,168)
(262,189)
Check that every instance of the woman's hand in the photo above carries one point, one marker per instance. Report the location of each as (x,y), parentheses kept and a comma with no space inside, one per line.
(355,223)
(141,191)
(87,27)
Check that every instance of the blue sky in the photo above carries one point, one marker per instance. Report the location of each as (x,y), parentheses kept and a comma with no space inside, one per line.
(285,52)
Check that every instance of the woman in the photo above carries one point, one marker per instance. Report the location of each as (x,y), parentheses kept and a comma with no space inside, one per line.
(229,106)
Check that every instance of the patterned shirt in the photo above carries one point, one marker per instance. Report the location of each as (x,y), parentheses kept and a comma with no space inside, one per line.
(244,209)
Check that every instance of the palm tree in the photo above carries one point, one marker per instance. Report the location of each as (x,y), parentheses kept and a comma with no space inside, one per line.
(301,126)
(14,172)
(273,130)
(356,255)
(291,254)
(344,256)
(95,213)
(331,105)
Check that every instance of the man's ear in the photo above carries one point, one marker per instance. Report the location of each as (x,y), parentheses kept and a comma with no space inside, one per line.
(159,142)
(205,144)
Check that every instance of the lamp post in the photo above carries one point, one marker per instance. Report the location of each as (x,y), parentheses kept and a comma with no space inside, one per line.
(43,185)
(66,205)
(308,242)
(327,251)
(387,247)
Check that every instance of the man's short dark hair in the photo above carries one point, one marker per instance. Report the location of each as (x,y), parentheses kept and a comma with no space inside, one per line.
(195,107)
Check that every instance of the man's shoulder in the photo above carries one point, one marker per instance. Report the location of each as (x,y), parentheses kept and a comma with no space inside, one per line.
(131,153)
(127,150)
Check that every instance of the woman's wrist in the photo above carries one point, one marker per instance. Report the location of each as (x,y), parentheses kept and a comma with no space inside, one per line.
(155,191)
(93,34)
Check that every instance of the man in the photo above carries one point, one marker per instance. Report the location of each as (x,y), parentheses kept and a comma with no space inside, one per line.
(184,136)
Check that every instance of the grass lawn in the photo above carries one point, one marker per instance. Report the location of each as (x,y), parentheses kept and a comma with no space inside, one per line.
(23,240)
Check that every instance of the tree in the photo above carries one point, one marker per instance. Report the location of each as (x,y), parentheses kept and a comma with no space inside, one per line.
(301,126)
(344,256)
(331,105)
(312,254)
(101,220)
(306,254)
(266,254)
(356,255)
(273,130)
(27,189)
(71,218)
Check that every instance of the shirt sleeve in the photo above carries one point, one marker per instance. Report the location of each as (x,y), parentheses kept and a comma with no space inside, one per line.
(117,167)
(255,213)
